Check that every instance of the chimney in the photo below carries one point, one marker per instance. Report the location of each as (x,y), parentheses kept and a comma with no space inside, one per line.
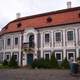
(69,4)
(18,15)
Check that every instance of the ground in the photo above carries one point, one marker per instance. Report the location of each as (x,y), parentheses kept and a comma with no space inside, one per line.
(36,74)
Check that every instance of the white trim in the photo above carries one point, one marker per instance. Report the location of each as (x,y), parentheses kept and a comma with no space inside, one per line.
(69,53)
(48,43)
(67,35)
(60,54)
(8,53)
(55,36)
(47,53)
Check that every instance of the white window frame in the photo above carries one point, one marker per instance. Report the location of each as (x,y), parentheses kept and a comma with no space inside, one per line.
(69,53)
(55,36)
(47,53)
(16,53)
(58,53)
(44,37)
(67,36)
(15,41)
(6,56)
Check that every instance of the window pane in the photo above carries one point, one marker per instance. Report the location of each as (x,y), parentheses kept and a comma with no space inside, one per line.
(1,57)
(46,56)
(16,41)
(58,36)
(70,55)
(8,41)
(58,56)
(47,38)
(70,35)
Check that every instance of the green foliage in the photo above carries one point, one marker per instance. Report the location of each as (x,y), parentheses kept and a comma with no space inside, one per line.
(41,63)
(65,64)
(53,62)
(5,63)
(13,63)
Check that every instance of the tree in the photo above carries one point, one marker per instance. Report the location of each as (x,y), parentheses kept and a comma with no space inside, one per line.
(65,64)
(53,62)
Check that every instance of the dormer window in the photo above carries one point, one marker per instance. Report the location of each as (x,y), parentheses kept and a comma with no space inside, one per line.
(49,19)
(19,25)
(79,15)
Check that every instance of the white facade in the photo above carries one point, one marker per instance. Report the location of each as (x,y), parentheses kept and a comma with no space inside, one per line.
(62,46)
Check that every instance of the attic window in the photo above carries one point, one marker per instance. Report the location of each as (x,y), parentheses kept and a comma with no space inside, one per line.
(79,15)
(49,19)
(19,25)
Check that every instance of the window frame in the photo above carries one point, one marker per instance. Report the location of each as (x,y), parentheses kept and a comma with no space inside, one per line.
(8,41)
(47,52)
(60,36)
(48,38)
(9,54)
(70,37)
(17,40)
(69,53)
(56,56)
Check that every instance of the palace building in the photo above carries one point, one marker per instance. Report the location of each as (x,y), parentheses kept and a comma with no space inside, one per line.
(39,36)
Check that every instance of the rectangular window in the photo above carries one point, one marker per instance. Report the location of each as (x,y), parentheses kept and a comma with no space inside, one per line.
(46,56)
(1,57)
(16,57)
(7,56)
(70,35)
(58,36)
(58,56)
(16,41)
(47,38)
(8,41)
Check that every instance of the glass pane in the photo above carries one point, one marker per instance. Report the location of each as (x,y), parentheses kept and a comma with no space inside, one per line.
(70,35)
(58,56)
(58,36)
(46,56)
(46,37)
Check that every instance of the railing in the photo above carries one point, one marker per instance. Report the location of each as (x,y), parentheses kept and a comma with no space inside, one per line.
(29,46)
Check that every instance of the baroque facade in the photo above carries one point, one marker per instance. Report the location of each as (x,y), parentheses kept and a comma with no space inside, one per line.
(37,36)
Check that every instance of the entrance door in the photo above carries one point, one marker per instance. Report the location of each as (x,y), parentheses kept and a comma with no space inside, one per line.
(29,58)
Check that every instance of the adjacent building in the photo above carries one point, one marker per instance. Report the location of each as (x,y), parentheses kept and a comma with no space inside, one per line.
(37,36)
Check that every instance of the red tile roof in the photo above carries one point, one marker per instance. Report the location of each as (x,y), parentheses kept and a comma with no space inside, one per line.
(61,17)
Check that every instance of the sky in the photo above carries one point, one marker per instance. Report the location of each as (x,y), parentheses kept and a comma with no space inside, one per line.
(9,8)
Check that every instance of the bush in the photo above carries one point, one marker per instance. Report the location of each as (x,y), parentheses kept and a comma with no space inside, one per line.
(41,63)
(53,62)
(13,63)
(35,63)
(5,63)
(65,64)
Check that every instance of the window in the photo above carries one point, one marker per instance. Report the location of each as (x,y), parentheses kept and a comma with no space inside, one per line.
(16,41)
(8,41)
(70,54)
(19,25)
(7,57)
(46,38)
(70,35)
(46,56)
(49,19)
(1,57)
(15,57)
(58,36)
(58,56)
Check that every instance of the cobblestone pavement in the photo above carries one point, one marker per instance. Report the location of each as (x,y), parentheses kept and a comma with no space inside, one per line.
(28,74)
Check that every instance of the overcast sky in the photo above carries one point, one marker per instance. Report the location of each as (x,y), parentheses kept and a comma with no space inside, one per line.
(9,8)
